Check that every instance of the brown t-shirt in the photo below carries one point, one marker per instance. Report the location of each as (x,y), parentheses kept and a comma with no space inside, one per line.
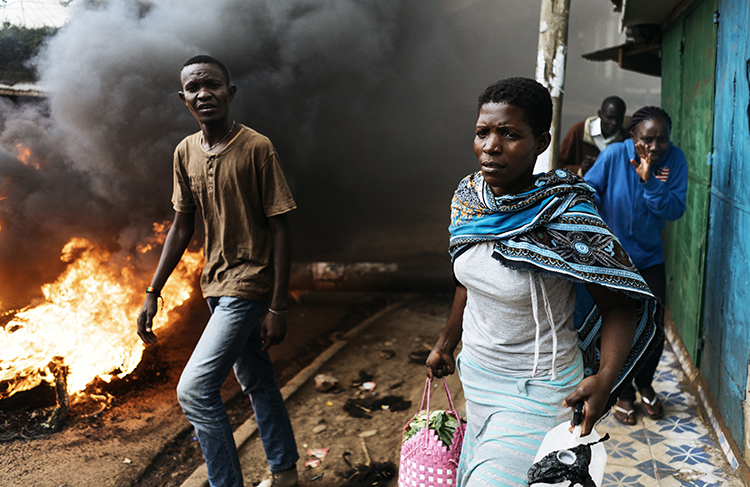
(236,191)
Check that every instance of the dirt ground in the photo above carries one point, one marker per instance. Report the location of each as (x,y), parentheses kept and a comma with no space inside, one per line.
(141,437)
(392,351)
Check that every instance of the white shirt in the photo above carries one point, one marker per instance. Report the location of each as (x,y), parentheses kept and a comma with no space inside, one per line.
(502,332)
(596,133)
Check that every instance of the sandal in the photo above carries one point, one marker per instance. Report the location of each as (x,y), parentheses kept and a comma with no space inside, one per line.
(629,415)
(652,407)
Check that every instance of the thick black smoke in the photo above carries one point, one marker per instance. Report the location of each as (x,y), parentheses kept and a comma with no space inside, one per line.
(370,103)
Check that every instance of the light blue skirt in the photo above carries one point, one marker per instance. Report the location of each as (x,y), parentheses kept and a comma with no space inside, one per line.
(507,418)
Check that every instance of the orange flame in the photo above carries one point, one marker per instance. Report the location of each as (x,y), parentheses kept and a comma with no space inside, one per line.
(88,318)
(24,155)
(160,234)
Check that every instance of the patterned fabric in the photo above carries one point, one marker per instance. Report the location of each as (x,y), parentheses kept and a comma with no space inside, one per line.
(554,228)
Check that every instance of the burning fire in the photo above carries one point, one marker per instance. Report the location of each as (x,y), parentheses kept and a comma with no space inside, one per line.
(24,155)
(87,321)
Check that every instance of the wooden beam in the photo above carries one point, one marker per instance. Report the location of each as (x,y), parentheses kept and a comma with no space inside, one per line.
(550,63)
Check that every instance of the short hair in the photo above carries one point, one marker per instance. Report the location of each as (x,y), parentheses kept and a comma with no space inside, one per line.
(650,113)
(206,59)
(526,94)
(616,102)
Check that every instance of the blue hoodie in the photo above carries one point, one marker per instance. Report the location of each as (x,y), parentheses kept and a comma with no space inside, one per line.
(637,211)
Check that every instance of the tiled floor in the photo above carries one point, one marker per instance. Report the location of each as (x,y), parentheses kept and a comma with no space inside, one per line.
(676,450)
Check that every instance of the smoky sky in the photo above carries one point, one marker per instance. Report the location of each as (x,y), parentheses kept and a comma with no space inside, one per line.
(370,104)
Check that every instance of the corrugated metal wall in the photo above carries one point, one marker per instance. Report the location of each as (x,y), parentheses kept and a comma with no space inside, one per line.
(727,298)
(688,61)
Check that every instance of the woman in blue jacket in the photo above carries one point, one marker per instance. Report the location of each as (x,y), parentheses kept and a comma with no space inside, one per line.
(640,184)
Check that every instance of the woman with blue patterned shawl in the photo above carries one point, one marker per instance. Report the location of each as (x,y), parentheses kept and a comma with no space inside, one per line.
(548,306)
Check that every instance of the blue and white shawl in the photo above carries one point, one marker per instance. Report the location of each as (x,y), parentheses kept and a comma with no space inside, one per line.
(554,228)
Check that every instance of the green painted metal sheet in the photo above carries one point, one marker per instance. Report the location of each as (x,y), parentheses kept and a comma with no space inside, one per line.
(688,65)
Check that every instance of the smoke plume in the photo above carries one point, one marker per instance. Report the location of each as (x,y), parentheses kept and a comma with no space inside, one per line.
(370,104)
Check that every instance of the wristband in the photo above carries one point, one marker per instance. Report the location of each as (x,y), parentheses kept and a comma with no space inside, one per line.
(277,313)
(151,290)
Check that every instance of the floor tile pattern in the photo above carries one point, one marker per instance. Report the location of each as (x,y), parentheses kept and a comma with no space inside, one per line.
(677,450)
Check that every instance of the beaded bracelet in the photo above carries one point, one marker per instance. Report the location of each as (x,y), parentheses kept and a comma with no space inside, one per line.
(152,290)
(277,313)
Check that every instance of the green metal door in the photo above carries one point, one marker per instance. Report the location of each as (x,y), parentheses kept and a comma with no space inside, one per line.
(688,65)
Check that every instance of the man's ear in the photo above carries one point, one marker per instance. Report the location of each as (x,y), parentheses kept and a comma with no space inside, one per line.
(542,142)
(232,92)
(182,96)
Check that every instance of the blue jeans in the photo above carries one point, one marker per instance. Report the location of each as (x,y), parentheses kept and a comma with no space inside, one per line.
(232,338)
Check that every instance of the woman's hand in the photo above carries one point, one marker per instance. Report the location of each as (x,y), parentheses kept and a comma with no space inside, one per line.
(618,330)
(440,363)
(643,165)
(594,392)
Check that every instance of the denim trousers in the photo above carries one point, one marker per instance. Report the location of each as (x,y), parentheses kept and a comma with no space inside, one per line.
(232,339)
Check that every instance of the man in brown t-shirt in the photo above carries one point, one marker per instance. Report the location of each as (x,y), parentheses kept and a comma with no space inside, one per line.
(232,175)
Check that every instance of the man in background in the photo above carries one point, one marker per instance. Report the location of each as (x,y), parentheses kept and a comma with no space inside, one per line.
(586,139)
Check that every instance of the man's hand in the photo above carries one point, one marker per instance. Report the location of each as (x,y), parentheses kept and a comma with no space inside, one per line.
(440,363)
(586,163)
(594,392)
(146,318)
(272,330)
(643,165)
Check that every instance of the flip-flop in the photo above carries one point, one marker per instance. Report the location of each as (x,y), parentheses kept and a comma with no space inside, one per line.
(628,420)
(653,405)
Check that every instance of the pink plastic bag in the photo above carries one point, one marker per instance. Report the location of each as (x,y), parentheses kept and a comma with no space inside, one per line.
(425,460)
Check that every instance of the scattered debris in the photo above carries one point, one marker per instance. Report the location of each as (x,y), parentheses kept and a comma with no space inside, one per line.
(387,354)
(368,386)
(356,410)
(319,429)
(325,383)
(688,475)
(317,476)
(128,461)
(98,402)
(366,451)
(363,377)
(361,408)
(346,460)
(319,453)
(373,475)
(367,434)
